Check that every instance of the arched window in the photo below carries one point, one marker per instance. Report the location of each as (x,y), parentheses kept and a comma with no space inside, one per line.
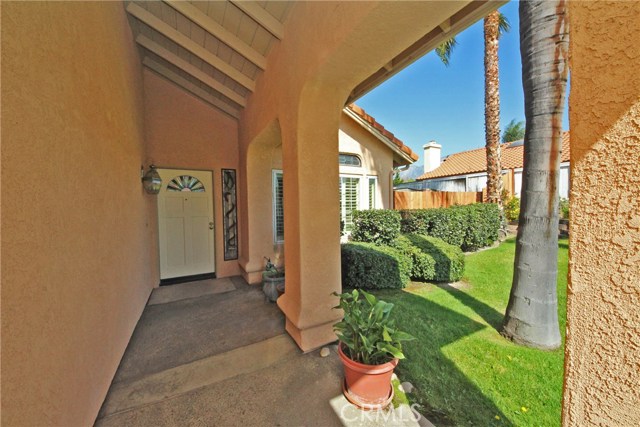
(349,160)
(185,183)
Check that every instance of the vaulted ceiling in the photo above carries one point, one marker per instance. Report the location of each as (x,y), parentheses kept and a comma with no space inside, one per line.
(217,49)
(213,49)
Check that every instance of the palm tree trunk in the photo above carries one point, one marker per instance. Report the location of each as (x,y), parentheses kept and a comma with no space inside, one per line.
(532,313)
(492,107)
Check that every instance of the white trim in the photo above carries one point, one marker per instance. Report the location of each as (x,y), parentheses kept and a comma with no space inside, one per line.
(360,202)
(376,203)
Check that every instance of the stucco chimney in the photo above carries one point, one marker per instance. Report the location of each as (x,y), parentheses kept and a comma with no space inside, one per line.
(431,155)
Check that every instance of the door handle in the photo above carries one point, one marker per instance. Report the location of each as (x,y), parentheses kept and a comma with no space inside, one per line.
(211,225)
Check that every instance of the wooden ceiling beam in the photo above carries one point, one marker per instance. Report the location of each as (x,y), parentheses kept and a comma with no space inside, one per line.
(262,17)
(190,87)
(172,58)
(181,40)
(218,31)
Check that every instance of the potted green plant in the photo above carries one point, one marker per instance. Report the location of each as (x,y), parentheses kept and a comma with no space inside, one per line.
(370,348)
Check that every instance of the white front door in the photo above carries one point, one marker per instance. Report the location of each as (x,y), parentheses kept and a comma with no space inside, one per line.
(185,217)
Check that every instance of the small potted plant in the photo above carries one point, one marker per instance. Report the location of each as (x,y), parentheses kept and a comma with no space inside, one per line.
(370,348)
(272,281)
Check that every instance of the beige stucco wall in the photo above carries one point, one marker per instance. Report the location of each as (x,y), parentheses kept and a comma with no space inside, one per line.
(75,230)
(336,45)
(183,132)
(602,370)
(377,158)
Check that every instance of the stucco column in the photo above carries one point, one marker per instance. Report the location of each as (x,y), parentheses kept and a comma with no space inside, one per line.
(257,239)
(603,299)
(312,222)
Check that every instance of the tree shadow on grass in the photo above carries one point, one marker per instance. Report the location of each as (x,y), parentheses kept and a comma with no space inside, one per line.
(444,264)
(447,396)
(488,313)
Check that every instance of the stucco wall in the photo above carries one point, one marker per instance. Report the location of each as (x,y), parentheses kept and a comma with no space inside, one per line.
(602,370)
(336,45)
(75,231)
(377,158)
(183,132)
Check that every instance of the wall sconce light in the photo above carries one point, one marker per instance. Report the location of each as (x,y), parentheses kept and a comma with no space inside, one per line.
(151,181)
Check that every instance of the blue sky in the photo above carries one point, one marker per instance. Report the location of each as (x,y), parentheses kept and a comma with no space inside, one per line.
(428,101)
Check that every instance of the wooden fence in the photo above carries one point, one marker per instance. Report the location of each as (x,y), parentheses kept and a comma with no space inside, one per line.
(433,199)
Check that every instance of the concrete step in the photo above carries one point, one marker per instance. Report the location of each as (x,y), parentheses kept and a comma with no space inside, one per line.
(127,395)
(172,293)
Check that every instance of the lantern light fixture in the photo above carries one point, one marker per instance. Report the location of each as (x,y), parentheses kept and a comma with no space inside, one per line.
(151,181)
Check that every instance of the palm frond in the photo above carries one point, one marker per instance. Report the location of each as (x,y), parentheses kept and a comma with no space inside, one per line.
(503,24)
(444,50)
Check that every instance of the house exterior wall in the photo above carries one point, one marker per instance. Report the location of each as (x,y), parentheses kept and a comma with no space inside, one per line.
(377,162)
(602,368)
(183,132)
(75,233)
(377,159)
(478,182)
(336,46)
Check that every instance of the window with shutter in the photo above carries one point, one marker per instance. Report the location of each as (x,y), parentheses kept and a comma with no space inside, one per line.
(349,196)
(372,192)
(278,207)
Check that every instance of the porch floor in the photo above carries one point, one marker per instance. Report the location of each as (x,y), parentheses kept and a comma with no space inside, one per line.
(221,357)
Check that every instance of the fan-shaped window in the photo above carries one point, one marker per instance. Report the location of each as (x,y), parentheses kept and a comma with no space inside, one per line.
(186,183)
(349,160)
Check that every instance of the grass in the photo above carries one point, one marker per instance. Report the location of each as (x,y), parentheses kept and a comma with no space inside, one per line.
(464,371)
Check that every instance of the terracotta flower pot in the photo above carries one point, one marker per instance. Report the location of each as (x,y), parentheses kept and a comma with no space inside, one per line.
(367,386)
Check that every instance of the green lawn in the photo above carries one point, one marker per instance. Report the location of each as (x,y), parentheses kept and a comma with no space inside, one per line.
(464,371)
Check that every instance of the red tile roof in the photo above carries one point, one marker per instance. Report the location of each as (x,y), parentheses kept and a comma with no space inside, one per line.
(474,161)
(380,129)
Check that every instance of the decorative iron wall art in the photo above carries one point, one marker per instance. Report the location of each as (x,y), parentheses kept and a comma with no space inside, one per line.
(230,214)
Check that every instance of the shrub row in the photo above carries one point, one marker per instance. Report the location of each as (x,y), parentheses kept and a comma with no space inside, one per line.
(469,227)
(379,226)
(448,260)
(370,266)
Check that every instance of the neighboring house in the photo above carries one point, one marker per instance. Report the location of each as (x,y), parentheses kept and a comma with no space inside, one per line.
(368,155)
(466,171)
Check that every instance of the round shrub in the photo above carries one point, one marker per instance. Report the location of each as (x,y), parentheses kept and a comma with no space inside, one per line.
(512,209)
(423,264)
(379,226)
(448,259)
(369,266)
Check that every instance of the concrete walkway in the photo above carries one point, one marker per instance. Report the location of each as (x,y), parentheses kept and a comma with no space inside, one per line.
(224,359)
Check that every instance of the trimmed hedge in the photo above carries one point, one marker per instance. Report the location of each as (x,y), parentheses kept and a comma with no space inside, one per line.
(379,226)
(423,265)
(448,259)
(369,266)
(469,227)
(484,225)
